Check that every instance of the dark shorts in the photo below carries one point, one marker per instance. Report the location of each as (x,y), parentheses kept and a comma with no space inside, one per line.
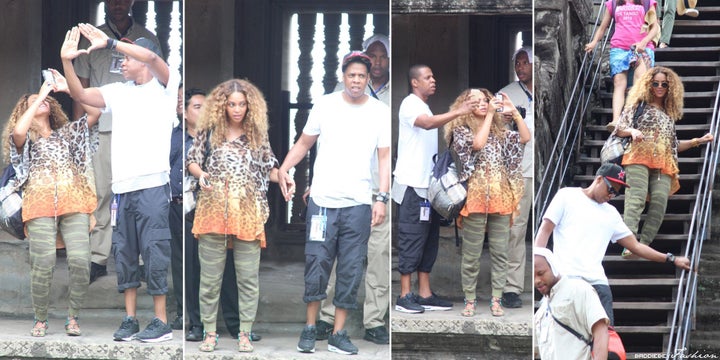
(606,300)
(417,241)
(346,238)
(142,229)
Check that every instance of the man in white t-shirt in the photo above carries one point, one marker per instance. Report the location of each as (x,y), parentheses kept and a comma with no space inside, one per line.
(143,110)
(349,127)
(582,224)
(418,224)
(521,94)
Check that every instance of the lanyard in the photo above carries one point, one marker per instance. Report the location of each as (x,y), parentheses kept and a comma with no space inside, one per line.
(525,90)
(372,91)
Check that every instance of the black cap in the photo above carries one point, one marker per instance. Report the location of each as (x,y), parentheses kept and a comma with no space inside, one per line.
(613,172)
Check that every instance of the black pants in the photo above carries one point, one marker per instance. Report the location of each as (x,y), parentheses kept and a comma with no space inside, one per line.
(176,253)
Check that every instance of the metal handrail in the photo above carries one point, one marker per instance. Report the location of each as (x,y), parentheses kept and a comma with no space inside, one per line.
(685,302)
(569,133)
(556,171)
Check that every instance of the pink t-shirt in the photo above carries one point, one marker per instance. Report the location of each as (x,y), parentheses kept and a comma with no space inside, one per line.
(629,19)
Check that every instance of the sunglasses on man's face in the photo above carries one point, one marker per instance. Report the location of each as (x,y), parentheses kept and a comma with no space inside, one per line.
(664,84)
(611,190)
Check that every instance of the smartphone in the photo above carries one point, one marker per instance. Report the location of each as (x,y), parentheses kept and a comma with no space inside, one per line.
(499,98)
(48,76)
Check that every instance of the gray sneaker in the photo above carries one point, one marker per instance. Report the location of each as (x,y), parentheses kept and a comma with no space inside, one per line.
(408,304)
(323,329)
(156,331)
(307,339)
(127,330)
(340,343)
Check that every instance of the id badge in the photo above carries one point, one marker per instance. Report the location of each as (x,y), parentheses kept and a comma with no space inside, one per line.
(115,62)
(113,212)
(317,227)
(425,211)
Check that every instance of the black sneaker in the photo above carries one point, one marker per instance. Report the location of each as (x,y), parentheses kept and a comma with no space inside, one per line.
(323,329)
(96,271)
(177,324)
(378,335)
(307,339)
(127,330)
(511,300)
(340,343)
(195,333)
(156,331)
(434,302)
(408,304)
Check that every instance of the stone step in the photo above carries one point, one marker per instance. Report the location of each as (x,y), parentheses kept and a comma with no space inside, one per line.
(450,332)
(95,343)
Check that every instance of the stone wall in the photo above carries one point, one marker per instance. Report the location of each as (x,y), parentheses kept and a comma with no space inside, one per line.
(557,50)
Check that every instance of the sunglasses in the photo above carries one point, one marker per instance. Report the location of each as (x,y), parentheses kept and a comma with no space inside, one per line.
(663,84)
(611,190)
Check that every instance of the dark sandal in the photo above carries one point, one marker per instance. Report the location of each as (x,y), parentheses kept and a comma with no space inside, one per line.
(245,342)
(72,326)
(39,331)
(206,346)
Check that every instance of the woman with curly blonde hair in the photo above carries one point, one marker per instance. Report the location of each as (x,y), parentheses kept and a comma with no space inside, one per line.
(232,159)
(489,157)
(651,164)
(52,160)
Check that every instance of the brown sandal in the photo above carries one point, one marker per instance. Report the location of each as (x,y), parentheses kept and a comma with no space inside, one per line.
(496,307)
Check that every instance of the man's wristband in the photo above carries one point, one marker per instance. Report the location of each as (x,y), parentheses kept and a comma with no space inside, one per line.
(669,257)
(382,197)
(111,44)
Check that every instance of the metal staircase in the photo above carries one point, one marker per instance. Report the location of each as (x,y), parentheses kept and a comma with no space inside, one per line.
(654,304)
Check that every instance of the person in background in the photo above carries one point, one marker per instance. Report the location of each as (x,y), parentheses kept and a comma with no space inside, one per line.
(521,94)
(575,304)
(631,46)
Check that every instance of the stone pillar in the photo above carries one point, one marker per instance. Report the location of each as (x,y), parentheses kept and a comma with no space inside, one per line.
(306,33)
(163,15)
(556,68)
(332,42)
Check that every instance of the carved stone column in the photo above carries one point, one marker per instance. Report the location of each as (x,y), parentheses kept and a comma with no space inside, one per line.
(306,34)
(163,15)
(357,30)
(332,42)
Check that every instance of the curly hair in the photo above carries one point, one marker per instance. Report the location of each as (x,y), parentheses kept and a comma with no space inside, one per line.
(214,114)
(471,120)
(57,120)
(673,101)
